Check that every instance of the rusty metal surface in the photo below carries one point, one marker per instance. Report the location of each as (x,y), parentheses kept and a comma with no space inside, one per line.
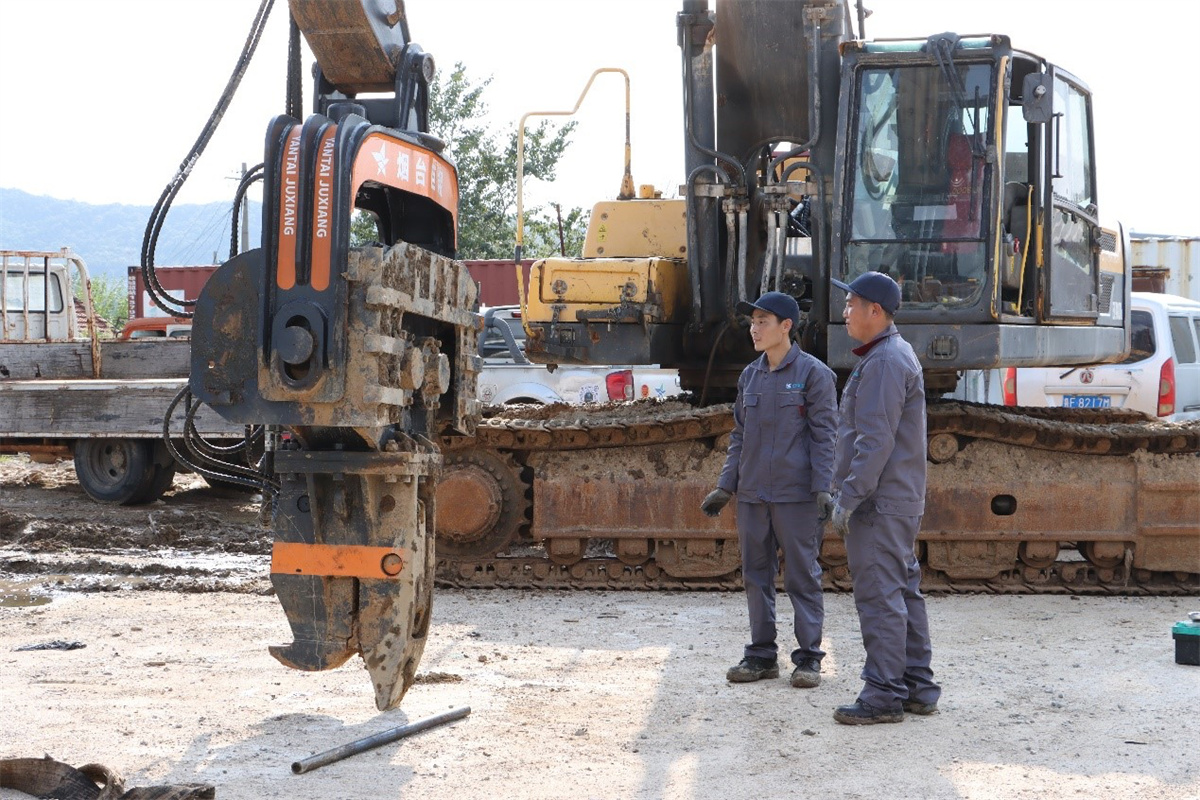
(352,40)
(1051,500)
(482,503)
(334,617)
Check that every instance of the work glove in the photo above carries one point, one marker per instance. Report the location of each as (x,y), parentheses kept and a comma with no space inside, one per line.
(715,501)
(824,506)
(841,520)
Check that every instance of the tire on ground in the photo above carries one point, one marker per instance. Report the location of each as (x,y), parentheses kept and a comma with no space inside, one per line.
(116,470)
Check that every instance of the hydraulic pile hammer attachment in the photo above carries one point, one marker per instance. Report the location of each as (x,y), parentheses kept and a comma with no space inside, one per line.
(357,358)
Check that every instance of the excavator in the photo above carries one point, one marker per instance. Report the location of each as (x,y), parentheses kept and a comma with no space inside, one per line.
(958,164)
(961,166)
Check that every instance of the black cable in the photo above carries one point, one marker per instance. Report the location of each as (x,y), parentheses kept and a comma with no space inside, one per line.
(255,173)
(245,478)
(294,102)
(158,215)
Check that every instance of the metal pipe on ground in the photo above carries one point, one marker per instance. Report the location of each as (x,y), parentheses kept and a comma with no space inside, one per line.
(375,740)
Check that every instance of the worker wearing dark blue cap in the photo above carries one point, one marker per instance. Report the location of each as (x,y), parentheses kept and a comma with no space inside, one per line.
(879,481)
(779,465)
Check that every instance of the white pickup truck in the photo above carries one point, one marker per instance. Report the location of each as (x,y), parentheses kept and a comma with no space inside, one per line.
(508,377)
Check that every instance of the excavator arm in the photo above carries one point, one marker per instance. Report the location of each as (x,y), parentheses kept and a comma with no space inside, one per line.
(356,359)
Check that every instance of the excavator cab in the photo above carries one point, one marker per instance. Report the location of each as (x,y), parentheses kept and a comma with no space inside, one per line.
(969,177)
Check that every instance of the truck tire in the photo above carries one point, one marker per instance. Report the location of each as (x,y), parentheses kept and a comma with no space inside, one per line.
(163,477)
(116,470)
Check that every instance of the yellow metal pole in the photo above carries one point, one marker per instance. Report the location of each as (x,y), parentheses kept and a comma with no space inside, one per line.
(626,192)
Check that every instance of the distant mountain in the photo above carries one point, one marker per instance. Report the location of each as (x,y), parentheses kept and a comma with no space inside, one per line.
(109,237)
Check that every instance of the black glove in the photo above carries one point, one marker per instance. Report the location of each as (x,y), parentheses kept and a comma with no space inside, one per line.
(841,521)
(715,501)
(824,506)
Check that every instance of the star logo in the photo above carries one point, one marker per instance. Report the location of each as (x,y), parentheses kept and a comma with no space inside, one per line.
(381,159)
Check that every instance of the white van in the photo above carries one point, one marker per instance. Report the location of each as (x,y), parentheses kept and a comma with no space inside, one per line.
(1160,378)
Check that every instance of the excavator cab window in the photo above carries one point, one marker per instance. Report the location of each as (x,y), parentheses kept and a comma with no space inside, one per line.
(919,178)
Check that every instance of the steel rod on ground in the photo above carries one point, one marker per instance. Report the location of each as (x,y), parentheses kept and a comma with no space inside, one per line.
(375,740)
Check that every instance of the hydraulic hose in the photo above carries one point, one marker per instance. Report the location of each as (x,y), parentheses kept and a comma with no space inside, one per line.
(179,308)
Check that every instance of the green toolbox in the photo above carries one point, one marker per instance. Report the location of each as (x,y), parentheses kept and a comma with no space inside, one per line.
(1187,640)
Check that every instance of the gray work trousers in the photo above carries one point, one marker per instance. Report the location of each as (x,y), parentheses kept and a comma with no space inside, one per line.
(764,528)
(891,609)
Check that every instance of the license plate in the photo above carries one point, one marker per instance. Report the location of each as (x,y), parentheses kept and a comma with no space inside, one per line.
(1087,401)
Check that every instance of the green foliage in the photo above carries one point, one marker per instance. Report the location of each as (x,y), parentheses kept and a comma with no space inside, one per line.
(544,236)
(487,169)
(362,229)
(110,299)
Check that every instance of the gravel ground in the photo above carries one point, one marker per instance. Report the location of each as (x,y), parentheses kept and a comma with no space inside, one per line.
(573,694)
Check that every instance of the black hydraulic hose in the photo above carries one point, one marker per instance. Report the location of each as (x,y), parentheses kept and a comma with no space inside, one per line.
(294,102)
(692,244)
(712,355)
(158,215)
(185,461)
(200,447)
(255,173)
(257,482)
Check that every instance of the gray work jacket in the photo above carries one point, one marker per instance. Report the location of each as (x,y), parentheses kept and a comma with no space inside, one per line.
(881,430)
(784,423)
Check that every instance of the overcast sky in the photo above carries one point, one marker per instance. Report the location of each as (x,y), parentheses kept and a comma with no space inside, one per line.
(102,99)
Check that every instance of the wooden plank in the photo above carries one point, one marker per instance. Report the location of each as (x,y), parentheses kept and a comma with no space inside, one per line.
(91,409)
(119,360)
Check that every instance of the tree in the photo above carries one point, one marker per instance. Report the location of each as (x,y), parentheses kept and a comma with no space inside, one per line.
(110,299)
(487,170)
(544,236)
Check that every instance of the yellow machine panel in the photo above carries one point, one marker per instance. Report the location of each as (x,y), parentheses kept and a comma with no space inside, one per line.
(637,228)
(653,289)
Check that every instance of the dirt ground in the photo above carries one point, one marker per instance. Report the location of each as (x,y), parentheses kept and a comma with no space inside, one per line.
(573,694)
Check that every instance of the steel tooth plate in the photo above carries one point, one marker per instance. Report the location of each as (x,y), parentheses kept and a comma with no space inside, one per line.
(333,617)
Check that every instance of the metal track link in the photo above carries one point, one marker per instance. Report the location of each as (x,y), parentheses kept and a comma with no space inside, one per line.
(1067,577)
(562,427)
(1083,431)
(1065,430)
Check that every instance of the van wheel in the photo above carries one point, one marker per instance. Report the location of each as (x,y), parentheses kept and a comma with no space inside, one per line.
(115,470)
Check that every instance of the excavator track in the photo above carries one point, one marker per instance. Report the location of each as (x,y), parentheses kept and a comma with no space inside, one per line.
(584,469)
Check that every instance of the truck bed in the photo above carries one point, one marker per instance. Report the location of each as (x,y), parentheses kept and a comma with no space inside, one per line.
(87,408)
(119,360)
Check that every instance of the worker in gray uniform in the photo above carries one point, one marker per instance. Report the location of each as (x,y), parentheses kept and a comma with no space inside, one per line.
(879,485)
(779,464)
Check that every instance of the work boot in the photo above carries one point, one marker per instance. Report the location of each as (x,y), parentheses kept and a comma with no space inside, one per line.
(807,674)
(862,714)
(921,709)
(751,669)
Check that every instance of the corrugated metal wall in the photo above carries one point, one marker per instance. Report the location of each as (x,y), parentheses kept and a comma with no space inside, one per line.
(1178,255)
(182,283)
(497,280)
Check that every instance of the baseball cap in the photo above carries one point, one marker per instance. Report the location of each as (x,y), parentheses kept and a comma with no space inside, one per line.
(781,305)
(876,287)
